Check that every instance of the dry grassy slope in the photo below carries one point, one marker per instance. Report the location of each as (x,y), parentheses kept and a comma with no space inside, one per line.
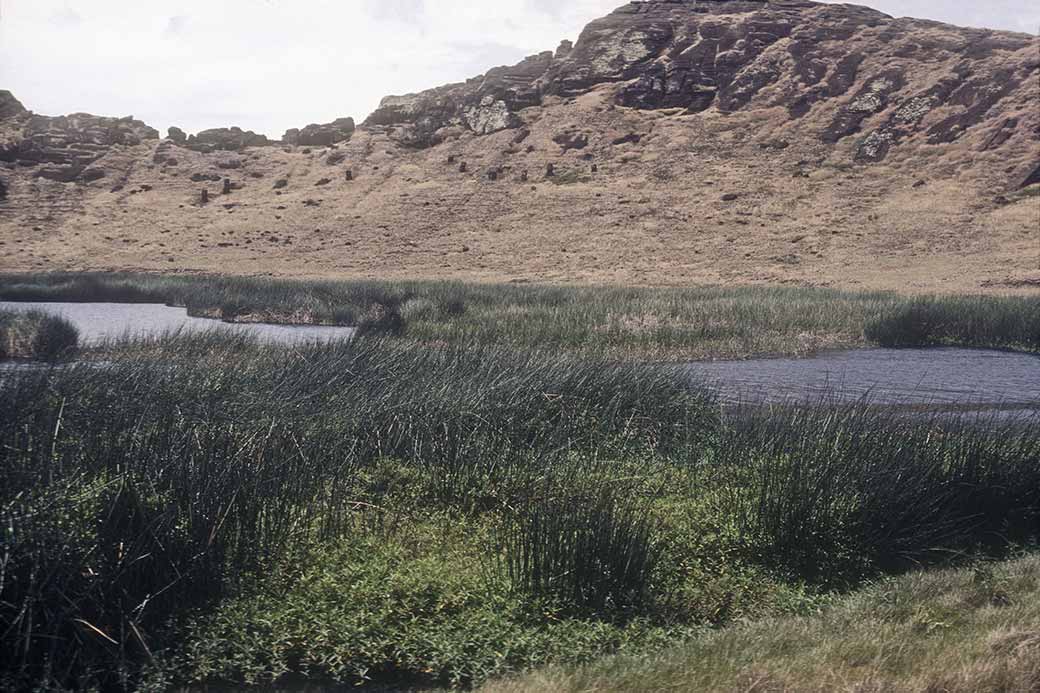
(927,218)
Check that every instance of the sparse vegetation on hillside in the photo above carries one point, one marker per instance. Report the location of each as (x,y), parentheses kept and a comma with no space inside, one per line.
(209,509)
(656,324)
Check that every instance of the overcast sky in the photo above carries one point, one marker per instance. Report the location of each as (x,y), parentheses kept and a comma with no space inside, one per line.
(268,65)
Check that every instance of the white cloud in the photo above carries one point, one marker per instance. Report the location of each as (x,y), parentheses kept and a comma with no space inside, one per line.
(176,25)
(402,11)
(269,65)
(65,17)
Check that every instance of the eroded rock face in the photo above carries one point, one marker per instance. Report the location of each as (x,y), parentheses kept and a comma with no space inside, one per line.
(232,139)
(871,99)
(63,148)
(483,105)
(864,74)
(10,107)
(314,135)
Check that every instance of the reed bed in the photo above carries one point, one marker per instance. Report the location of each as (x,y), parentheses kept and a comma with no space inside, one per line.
(35,335)
(657,324)
(207,508)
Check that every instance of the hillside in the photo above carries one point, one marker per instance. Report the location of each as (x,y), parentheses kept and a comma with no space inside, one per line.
(709,142)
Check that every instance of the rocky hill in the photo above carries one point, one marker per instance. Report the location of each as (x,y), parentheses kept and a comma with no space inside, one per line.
(676,142)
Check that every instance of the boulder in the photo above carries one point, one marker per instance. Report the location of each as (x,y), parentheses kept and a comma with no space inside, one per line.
(314,135)
(177,135)
(232,139)
(572,140)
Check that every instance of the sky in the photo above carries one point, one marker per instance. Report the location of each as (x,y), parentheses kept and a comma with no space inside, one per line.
(269,65)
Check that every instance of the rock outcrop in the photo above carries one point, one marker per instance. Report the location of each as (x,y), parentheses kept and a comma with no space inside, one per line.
(314,135)
(10,107)
(233,139)
(63,148)
(737,55)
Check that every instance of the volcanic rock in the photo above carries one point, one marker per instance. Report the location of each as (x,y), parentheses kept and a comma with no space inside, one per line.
(232,139)
(732,55)
(62,148)
(339,130)
(572,140)
(177,135)
(10,107)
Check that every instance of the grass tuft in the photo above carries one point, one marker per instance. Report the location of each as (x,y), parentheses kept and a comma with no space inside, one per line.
(36,335)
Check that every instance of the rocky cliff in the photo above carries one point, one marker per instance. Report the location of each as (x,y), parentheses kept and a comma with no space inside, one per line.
(676,142)
(860,72)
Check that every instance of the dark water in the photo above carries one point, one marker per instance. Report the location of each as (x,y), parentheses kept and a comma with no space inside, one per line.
(937,377)
(100,321)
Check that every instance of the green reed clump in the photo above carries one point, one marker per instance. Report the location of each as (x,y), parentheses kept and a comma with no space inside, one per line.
(36,335)
(831,493)
(1003,322)
(593,551)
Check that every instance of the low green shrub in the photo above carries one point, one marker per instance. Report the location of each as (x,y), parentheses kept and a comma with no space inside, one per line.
(414,606)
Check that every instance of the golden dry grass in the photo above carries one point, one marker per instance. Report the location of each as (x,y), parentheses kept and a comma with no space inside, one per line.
(652,214)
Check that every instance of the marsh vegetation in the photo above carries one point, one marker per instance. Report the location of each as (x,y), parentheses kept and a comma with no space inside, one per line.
(207,508)
(654,324)
(35,335)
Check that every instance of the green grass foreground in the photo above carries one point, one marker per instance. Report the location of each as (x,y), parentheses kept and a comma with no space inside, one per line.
(35,335)
(657,324)
(205,509)
(973,630)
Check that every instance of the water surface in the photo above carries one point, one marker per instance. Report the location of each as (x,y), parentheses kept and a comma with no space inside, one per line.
(98,322)
(940,377)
